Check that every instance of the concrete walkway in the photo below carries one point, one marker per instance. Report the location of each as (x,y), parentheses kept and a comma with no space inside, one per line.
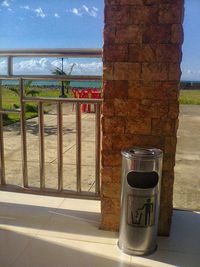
(12,145)
(187,170)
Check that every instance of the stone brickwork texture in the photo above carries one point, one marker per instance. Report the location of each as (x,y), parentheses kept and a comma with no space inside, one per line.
(141,73)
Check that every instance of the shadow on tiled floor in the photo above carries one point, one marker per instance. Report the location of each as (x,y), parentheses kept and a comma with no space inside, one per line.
(38,231)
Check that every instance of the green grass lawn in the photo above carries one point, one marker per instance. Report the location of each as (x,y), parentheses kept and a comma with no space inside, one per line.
(189,97)
(11,100)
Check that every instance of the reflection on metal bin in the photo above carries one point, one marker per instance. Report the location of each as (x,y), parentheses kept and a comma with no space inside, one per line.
(140,200)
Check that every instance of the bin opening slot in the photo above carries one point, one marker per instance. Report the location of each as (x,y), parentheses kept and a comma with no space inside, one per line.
(142,180)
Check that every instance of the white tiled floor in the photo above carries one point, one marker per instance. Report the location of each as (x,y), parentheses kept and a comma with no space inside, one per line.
(37,231)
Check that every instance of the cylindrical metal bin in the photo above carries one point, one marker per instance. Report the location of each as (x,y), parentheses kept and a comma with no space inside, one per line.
(140,200)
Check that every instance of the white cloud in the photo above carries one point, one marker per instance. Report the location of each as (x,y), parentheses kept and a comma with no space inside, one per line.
(76,11)
(5,3)
(95,8)
(84,10)
(90,11)
(39,12)
(45,66)
(56,15)
(25,7)
(93,13)
(90,68)
(191,75)
(3,67)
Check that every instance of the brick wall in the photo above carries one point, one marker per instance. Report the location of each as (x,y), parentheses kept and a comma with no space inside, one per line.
(141,59)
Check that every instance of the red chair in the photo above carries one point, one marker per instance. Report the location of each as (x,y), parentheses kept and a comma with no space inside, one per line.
(95,94)
(84,94)
(75,95)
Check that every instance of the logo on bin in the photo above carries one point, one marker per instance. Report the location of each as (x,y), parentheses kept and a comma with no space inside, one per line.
(141,211)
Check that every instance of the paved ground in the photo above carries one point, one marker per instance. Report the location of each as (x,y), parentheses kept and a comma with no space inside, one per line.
(187,170)
(13,151)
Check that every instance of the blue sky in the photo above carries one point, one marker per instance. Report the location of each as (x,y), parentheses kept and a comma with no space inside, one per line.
(51,23)
(78,24)
(191,46)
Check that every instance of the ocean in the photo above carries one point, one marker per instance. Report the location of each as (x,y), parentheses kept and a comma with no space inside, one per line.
(79,84)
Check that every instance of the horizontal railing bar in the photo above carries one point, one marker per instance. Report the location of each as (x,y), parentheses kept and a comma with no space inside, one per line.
(62,100)
(52,77)
(76,52)
(9,111)
(50,192)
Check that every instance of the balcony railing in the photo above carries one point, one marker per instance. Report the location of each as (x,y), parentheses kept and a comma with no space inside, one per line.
(58,101)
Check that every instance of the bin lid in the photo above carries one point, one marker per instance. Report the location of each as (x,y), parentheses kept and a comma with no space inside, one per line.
(141,152)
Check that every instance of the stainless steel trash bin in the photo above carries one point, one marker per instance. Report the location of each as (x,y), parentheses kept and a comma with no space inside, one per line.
(140,200)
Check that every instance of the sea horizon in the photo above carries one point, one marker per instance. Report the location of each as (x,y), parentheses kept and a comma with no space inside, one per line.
(80,84)
(52,83)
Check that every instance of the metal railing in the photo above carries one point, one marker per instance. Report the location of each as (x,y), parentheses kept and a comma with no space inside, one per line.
(10,54)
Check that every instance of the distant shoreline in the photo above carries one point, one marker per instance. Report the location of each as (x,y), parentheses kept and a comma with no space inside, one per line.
(189,85)
(184,85)
(53,84)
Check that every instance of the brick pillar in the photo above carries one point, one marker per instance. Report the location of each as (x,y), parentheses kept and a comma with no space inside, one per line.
(141,58)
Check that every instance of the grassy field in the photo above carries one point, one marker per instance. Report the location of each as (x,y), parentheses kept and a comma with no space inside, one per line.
(189,97)
(11,100)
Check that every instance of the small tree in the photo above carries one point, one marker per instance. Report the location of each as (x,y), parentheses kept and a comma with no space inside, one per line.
(27,89)
(59,71)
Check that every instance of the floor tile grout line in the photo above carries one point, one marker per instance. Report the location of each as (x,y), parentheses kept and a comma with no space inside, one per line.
(33,235)
(82,240)
(20,253)
(94,222)
(50,217)
(177,251)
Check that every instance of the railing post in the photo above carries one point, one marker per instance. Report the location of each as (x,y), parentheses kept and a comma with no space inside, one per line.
(41,145)
(78,147)
(10,65)
(60,145)
(97,148)
(2,162)
(23,134)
